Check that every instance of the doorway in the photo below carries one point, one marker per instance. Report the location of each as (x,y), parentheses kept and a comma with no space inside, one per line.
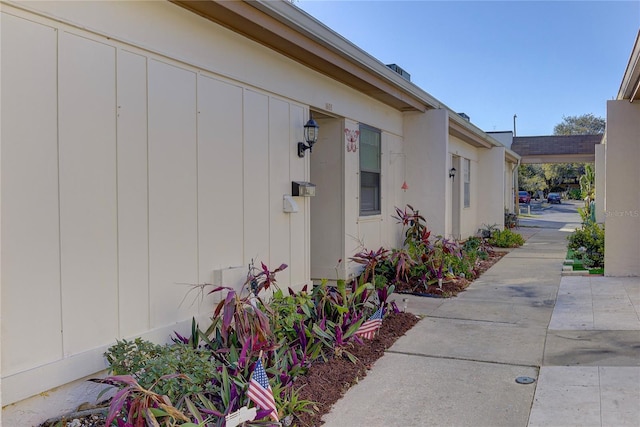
(327,206)
(455,197)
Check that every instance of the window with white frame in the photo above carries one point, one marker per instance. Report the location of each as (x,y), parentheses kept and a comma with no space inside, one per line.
(369,170)
(467,183)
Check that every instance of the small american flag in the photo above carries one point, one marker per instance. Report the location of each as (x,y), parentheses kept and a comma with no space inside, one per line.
(368,329)
(260,390)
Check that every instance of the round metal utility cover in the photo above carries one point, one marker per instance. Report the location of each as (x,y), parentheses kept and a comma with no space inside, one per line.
(525,380)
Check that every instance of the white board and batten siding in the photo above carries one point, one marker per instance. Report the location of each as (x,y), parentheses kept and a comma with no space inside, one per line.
(126,178)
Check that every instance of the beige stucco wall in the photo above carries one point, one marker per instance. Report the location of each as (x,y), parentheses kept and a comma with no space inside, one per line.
(491,186)
(622,189)
(426,145)
(426,141)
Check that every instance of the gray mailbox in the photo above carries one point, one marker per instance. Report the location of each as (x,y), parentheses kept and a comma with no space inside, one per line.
(303,189)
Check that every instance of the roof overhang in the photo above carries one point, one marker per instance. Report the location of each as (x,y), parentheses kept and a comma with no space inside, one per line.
(473,136)
(559,158)
(630,86)
(511,156)
(290,31)
(556,148)
(285,28)
(463,132)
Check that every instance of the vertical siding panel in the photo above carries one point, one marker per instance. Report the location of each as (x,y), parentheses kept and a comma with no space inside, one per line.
(279,185)
(133,239)
(256,171)
(172,191)
(219,176)
(30,235)
(88,217)
(298,222)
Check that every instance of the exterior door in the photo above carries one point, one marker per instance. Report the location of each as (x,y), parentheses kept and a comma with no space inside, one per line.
(455,197)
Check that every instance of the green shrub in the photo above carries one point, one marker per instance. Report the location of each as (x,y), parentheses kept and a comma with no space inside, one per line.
(506,239)
(424,259)
(477,246)
(574,194)
(587,244)
(148,363)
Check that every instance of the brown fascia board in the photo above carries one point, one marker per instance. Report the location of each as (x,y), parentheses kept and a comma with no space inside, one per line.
(292,32)
(294,17)
(630,86)
(465,132)
(472,135)
(512,156)
(479,139)
(475,136)
(556,144)
(249,19)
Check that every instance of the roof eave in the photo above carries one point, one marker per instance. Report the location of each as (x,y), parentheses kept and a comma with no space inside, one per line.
(630,86)
(288,30)
(512,156)
(292,32)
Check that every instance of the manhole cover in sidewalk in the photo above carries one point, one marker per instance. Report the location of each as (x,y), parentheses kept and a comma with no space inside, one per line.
(525,380)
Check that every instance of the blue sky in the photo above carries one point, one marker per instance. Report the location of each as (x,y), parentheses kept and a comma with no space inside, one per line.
(541,60)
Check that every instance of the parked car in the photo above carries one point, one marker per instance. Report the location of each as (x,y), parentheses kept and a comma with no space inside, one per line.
(524,197)
(554,198)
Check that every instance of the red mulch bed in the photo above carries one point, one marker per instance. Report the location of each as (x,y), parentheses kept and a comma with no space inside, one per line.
(325,383)
(451,286)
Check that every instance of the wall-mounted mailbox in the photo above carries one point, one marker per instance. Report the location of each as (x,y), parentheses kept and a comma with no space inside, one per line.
(303,189)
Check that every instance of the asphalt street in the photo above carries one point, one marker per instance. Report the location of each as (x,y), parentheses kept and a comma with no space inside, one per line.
(557,216)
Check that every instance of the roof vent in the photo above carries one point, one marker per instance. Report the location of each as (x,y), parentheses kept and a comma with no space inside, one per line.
(400,71)
(464,116)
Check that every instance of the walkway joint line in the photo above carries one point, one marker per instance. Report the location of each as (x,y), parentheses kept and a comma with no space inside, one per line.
(464,359)
(469,320)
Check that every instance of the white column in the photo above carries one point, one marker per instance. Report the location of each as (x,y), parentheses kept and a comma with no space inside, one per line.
(426,139)
(491,186)
(622,189)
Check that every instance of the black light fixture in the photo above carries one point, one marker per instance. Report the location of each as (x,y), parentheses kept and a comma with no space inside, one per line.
(452,173)
(310,136)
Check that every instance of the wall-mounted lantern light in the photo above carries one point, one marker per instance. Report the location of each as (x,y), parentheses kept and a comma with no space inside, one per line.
(303,189)
(452,173)
(310,136)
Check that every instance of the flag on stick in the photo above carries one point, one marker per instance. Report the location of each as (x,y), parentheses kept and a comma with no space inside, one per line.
(260,390)
(368,329)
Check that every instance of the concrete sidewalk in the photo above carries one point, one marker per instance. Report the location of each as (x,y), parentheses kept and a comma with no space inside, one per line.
(458,366)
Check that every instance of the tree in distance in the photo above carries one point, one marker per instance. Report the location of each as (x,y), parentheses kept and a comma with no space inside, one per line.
(586,124)
(555,176)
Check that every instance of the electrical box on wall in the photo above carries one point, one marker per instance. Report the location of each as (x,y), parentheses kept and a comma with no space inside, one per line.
(303,189)
(289,205)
